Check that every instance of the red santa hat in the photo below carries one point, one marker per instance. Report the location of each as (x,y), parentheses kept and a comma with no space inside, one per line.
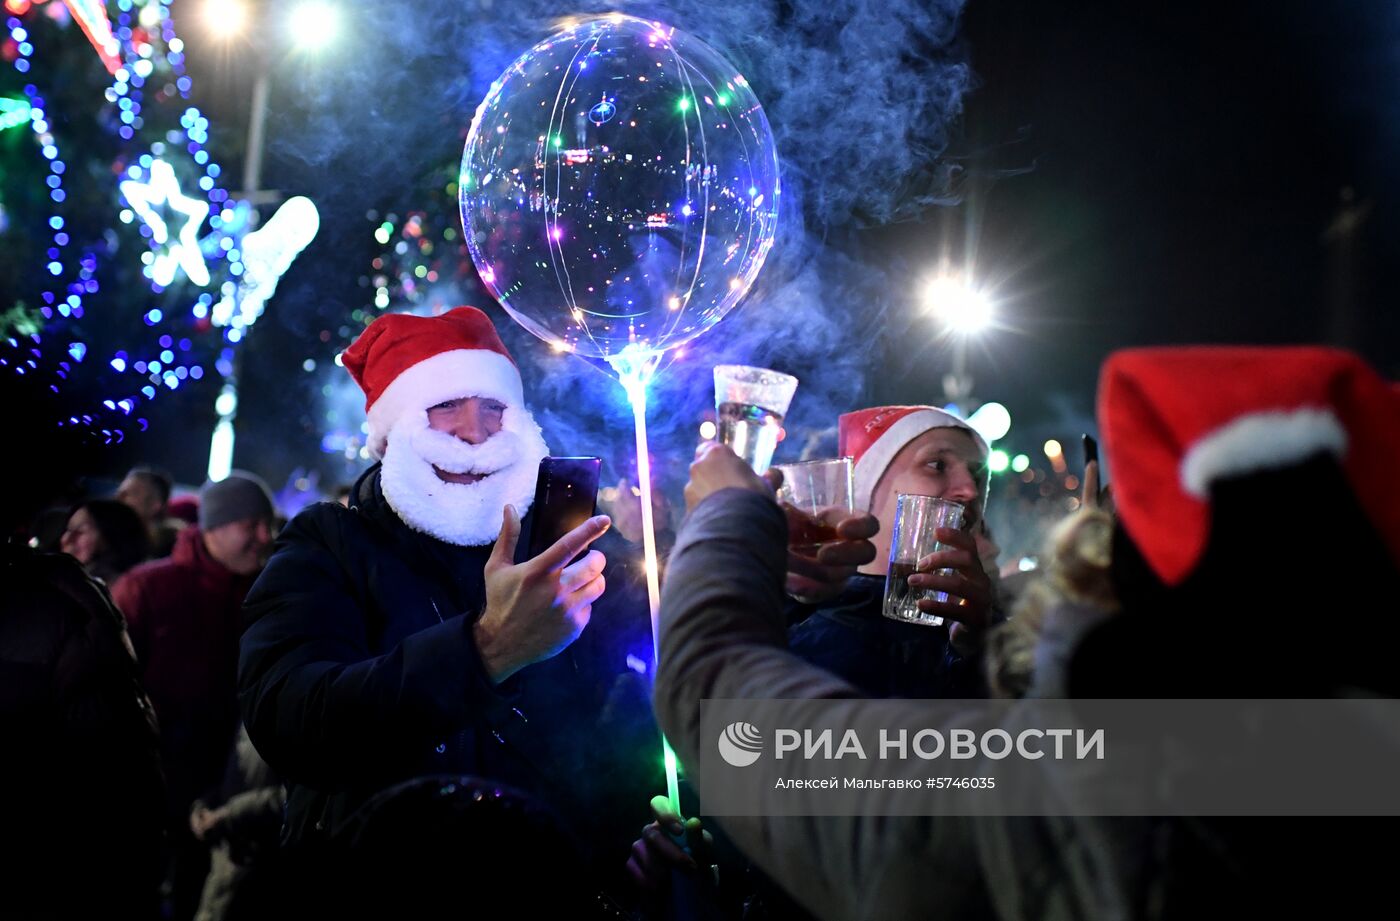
(1176,420)
(872,437)
(406,363)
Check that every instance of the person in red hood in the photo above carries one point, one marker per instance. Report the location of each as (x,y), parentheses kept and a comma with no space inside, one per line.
(184,615)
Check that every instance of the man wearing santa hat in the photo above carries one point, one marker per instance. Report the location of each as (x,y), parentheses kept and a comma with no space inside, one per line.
(385,640)
(924,451)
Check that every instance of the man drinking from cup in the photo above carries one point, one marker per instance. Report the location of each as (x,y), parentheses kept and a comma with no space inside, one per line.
(918,451)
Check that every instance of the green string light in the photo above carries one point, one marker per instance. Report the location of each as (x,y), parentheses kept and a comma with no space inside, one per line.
(13,112)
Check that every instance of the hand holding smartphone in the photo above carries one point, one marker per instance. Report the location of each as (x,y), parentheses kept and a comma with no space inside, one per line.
(566,495)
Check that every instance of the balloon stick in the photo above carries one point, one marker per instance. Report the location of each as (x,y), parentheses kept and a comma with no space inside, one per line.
(635,373)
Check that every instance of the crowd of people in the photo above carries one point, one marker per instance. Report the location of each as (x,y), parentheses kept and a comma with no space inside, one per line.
(388,706)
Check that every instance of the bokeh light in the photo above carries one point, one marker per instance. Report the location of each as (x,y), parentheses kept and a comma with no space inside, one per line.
(991,420)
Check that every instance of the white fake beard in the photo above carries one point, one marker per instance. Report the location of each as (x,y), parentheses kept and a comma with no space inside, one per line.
(465,514)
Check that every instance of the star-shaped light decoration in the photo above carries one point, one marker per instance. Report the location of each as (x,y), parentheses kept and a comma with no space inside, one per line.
(177,251)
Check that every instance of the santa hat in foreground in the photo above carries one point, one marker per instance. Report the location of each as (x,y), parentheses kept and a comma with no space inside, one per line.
(1177,421)
(406,363)
(872,437)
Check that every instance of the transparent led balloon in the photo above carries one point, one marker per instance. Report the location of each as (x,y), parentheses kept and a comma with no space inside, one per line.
(619,188)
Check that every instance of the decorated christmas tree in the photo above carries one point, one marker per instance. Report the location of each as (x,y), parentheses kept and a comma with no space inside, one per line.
(128,271)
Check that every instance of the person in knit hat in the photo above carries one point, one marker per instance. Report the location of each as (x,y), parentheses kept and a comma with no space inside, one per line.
(924,451)
(403,635)
(236,515)
(184,614)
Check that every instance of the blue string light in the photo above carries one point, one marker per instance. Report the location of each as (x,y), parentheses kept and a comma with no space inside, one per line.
(74,277)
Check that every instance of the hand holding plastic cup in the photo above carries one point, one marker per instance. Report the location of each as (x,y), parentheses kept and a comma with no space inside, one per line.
(816,495)
(750,404)
(916,522)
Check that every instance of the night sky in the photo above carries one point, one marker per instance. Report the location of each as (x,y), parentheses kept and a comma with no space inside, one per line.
(1166,174)
(1124,176)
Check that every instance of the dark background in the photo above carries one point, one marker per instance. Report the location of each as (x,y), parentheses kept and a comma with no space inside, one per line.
(1186,162)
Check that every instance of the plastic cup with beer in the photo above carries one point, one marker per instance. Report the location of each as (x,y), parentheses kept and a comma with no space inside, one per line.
(815,495)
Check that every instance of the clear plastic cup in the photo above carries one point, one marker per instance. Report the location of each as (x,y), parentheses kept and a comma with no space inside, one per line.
(750,404)
(813,494)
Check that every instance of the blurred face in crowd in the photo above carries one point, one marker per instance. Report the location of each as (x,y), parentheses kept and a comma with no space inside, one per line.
(81,538)
(241,547)
(141,494)
(469,419)
(943,463)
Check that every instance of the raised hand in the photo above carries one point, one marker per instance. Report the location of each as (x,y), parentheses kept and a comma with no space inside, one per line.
(717,467)
(969,606)
(537,608)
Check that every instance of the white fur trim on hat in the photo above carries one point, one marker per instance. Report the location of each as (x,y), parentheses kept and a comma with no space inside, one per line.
(445,376)
(878,456)
(1260,441)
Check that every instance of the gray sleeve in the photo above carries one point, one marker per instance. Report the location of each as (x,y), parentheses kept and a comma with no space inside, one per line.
(723,636)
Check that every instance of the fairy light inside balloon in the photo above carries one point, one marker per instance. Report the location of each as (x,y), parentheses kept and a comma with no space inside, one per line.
(603,112)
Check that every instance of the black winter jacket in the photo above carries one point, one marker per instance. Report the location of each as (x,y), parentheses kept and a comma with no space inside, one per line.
(81,787)
(358,670)
(850,637)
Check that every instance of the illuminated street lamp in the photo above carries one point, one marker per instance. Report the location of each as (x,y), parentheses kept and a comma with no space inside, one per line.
(965,311)
(314,24)
(225,18)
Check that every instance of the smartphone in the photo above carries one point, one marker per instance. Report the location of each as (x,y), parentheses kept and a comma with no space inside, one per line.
(1091,449)
(566,495)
